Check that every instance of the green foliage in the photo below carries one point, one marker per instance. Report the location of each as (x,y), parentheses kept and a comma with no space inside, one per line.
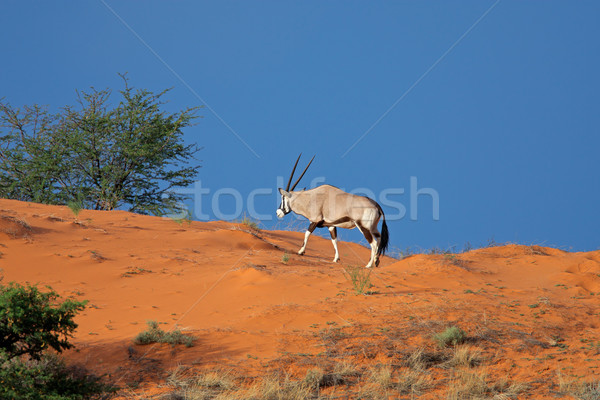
(75,206)
(32,321)
(156,335)
(452,336)
(285,258)
(359,277)
(253,225)
(130,155)
(48,379)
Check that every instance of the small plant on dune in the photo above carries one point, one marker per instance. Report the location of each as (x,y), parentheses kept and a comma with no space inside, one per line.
(315,377)
(156,335)
(470,384)
(249,223)
(455,260)
(342,373)
(467,384)
(285,258)
(464,356)
(180,215)
(583,390)
(452,336)
(275,388)
(75,207)
(378,384)
(207,385)
(359,277)
(413,382)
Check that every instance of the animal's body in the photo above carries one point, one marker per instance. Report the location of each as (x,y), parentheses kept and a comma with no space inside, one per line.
(331,207)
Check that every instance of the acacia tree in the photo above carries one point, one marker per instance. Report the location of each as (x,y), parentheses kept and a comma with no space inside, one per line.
(129,156)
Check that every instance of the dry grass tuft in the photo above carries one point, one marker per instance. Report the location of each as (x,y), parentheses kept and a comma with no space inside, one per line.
(14,227)
(210,385)
(277,388)
(464,356)
(413,382)
(467,385)
(470,384)
(582,390)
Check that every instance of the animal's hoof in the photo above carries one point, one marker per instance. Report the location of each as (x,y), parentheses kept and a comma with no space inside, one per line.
(336,260)
(300,253)
(369,266)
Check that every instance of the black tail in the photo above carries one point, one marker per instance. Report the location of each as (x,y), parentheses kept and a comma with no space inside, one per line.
(385,236)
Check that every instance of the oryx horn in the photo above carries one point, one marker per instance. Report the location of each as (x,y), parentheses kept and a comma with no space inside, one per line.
(303,172)
(287,188)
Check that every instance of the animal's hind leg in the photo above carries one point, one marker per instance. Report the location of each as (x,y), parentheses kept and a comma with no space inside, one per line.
(310,230)
(371,241)
(375,246)
(333,232)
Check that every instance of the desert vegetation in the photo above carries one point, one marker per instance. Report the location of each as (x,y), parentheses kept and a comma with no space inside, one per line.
(34,326)
(95,155)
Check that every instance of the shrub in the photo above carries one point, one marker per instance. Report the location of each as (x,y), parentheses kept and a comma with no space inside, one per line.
(32,321)
(156,335)
(75,207)
(450,337)
(360,278)
(48,379)
(248,222)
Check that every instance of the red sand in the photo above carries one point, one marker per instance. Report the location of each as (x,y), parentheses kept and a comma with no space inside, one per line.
(228,286)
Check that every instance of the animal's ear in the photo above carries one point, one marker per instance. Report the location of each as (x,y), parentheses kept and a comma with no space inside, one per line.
(284,193)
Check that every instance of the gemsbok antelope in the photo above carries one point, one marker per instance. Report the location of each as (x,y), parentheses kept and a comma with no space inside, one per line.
(328,206)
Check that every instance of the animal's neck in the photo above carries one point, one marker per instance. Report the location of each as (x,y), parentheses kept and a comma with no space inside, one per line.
(298,204)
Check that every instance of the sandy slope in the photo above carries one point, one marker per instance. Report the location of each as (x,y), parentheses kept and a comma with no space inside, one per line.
(533,312)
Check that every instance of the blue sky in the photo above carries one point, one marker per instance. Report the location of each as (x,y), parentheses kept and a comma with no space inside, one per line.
(496,102)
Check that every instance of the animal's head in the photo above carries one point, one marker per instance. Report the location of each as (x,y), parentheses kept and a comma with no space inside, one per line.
(285,207)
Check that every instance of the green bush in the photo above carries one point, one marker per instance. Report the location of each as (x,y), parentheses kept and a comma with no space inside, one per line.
(32,321)
(48,379)
(450,337)
(360,278)
(156,335)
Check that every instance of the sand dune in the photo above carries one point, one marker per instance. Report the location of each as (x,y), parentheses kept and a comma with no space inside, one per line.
(532,312)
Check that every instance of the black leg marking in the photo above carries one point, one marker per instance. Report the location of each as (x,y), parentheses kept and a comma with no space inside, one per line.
(333,233)
(312,226)
(366,233)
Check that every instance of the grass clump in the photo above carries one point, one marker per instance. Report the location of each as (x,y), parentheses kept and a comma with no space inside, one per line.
(452,336)
(359,277)
(582,390)
(464,356)
(156,335)
(207,385)
(470,384)
(413,382)
(279,388)
(251,224)
(285,258)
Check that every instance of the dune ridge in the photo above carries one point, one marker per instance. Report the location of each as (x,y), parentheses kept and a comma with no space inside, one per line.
(531,311)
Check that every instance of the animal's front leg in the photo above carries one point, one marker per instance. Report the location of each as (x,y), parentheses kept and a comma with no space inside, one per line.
(310,230)
(333,233)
